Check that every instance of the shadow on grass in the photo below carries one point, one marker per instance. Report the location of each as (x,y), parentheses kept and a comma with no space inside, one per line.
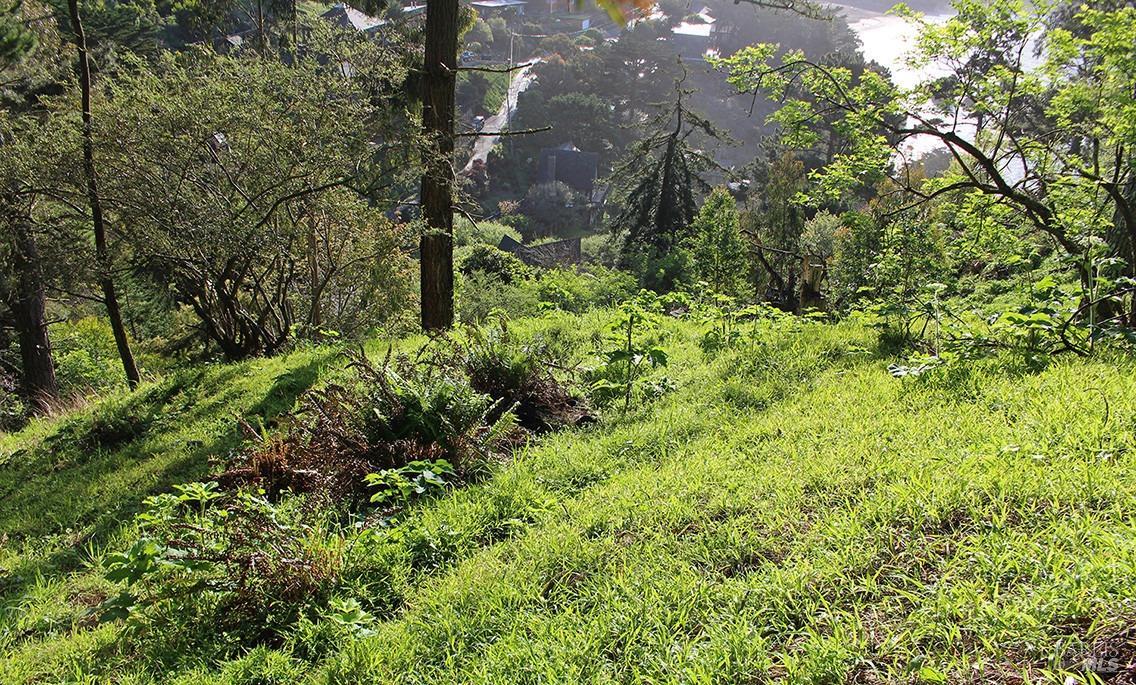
(88,492)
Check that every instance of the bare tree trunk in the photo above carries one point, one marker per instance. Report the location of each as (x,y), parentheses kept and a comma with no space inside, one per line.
(106,282)
(30,320)
(315,316)
(437,244)
(261,42)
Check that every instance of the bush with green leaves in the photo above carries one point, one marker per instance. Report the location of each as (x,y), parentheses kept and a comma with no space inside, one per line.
(398,487)
(13,412)
(586,287)
(494,262)
(468,233)
(479,295)
(576,290)
(429,410)
(86,358)
(519,374)
(553,209)
(623,372)
(247,565)
(720,252)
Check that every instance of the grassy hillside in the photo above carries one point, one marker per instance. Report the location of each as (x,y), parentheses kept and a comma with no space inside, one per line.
(789,512)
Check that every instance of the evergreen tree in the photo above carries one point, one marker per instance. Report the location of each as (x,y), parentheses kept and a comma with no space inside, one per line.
(657,184)
(720,252)
(15,39)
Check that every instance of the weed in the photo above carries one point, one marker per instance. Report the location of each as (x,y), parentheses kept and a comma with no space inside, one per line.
(623,371)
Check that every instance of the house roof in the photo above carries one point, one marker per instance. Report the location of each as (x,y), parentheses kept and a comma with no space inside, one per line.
(696,30)
(497,4)
(567,164)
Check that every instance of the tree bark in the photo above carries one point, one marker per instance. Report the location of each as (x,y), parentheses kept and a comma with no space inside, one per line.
(98,225)
(30,320)
(437,246)
(315,316)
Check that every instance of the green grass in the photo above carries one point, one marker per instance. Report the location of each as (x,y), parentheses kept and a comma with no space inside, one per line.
(790,513)
(498,88)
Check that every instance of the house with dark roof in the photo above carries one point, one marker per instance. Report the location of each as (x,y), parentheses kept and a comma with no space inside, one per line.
(569,165)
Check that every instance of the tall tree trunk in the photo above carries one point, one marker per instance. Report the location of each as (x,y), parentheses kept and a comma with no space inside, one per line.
(30,319)
(315,316)
(437,245)
(106,281)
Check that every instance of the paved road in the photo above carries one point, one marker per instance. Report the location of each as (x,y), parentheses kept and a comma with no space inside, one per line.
(499,121)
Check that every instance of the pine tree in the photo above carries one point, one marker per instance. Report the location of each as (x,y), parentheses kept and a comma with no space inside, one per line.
(720,251)
(15,39)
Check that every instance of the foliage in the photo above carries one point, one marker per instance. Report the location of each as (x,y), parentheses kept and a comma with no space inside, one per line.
(568,289)
(481,94)
(430,409)
(266,236)
(775,223)
(467,233)
(493,262)
(838,458)
(1059,126)
(622,374)
(721,254)
(480,295)
(15,39)
(398,487)
(259,561)
(519,375)
(820,234)
(85,357)
(583,288)
(657,181)
(12,409)
(552,209)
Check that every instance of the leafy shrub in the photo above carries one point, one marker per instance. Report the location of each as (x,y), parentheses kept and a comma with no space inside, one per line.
(480,294)
(583,288)
(516,375)
(553,209)
(13,412)
(393,414)
(261,563)
(398,487)
(601,249)
(429,410)
(662,273)
(86,358)
(576,290)
(623,373)
(494,262)
(718,248)
(467,233)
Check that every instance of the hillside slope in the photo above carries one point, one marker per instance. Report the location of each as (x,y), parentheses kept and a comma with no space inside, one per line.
(790,512)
